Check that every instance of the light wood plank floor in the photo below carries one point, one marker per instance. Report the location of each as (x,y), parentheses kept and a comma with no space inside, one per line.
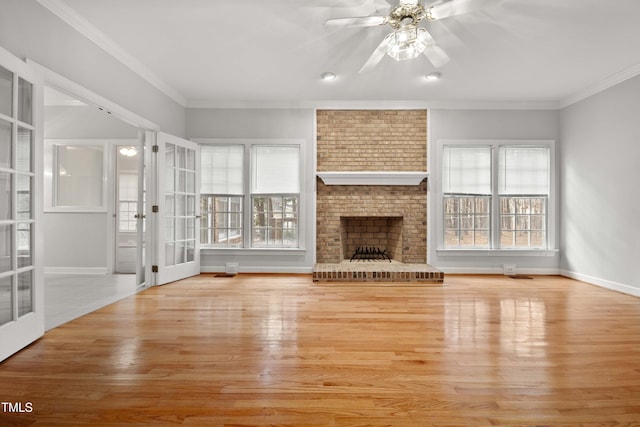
(280,350)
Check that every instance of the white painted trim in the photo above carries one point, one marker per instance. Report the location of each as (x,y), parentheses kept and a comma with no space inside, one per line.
(497,270)
(95,271)
(601,86)
(242,252)
(373,178)
(377,105)
(84,27)
(603,283)
(258,269)
(497,252)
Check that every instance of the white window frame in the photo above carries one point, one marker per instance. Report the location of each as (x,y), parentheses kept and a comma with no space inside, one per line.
(248,199)
(552,216)
(50,159)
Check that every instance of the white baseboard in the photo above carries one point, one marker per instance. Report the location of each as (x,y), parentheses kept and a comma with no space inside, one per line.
(499,270)
(259,269)
(603,283)
(77,270)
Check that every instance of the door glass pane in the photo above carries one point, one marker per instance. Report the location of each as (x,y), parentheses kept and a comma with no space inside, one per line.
(5,144)
(169,254)
(170,182)
(24,245)
(180,253)
(5,196)
(170,156)
(191,250)
(24,150)
(6,91)
(5,248)
(168,230)
(191,160)
(180,228)
(25,293)
(191,205)
(6,300)
(191,182)
(191,228)
(181,181)
(180,205)
(25,107)
(23,186)
(181,158)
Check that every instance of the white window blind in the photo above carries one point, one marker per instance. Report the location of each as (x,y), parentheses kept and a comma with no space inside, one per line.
(466,170)
(128,187)
(523,171)
(275,169)
(222,169)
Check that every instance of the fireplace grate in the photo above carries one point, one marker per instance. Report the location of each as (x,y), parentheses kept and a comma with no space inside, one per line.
(369,253)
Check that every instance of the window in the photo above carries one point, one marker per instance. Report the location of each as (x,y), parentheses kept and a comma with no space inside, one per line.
(250,195)
(496,196)
(75,175)
(222,195)
(127,202)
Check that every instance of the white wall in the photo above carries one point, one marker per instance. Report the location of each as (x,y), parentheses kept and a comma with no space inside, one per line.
(600,206)
(263,124)
(495,125)
(29,30)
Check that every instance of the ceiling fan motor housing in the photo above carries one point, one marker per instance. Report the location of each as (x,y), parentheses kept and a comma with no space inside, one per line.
(406,14)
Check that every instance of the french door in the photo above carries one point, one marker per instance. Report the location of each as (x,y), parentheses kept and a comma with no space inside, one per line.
(178,205)
(21,271)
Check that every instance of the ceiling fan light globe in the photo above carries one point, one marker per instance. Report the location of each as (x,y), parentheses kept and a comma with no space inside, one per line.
(408,43)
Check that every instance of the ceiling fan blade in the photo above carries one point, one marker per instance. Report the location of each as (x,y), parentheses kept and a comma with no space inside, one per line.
(436,55)
(433,52)
(365,21)
(458,7)
(377,54)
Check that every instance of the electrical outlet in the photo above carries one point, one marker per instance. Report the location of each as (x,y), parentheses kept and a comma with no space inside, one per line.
(509,269)
(231,267)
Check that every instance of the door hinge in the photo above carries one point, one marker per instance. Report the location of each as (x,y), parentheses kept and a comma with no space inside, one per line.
(154,209)
(155,148)
(154,268)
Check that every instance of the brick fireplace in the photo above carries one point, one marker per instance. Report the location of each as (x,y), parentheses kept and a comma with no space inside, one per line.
(389,216)
(372,192)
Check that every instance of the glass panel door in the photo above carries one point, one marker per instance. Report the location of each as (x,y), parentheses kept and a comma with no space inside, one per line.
(178,173)
(21,282)
(144,149)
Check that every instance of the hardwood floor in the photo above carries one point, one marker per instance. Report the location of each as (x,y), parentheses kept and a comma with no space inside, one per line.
(280,350)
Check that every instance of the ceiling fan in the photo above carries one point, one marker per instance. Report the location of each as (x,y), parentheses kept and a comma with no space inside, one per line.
(409,40)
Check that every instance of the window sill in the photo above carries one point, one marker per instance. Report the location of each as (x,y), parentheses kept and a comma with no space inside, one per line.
(498,252)
(254,251)
(88,210)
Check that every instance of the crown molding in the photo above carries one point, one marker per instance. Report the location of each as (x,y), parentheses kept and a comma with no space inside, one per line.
(376,105)
(72,18)
(601,86)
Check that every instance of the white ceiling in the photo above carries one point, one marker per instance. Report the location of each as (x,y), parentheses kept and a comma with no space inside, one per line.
(251,52)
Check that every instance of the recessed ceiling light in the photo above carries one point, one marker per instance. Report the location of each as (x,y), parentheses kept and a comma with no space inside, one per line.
(328,76)
(433,76)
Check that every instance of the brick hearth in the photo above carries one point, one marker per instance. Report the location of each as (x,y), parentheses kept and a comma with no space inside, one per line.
(377,271)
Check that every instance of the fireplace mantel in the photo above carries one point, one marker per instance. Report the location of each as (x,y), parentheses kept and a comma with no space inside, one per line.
(373,178)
